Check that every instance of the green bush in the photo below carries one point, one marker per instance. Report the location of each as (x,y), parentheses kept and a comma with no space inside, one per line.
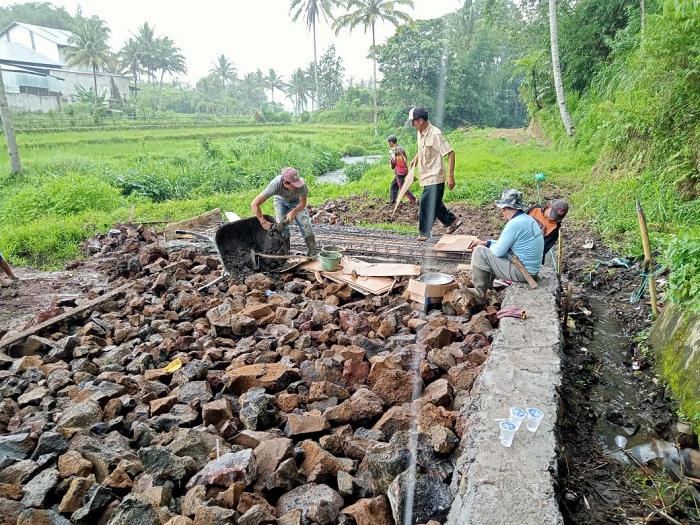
(683,258)
(63,196)
(354,172)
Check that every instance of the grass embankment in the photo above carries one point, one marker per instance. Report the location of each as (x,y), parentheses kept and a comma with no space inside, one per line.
(76,184)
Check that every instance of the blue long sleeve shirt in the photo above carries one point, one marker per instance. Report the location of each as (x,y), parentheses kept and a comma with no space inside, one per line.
(523,235)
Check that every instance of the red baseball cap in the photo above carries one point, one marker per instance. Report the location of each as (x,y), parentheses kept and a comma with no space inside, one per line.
(291,176)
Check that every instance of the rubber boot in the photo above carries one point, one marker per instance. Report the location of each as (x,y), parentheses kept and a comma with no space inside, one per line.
(311,245)
(482,281)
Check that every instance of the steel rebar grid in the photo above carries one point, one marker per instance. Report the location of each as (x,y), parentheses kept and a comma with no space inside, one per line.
(370,242)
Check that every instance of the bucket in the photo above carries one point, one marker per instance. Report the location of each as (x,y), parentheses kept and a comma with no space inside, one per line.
(329,261)
(333,248)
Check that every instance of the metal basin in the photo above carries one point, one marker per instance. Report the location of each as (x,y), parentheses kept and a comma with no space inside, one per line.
(436,278)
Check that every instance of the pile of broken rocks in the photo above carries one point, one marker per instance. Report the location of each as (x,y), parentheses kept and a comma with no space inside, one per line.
(262,402)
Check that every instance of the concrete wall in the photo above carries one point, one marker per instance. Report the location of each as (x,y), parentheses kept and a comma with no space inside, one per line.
(24,102)
(494,485)
(105,82)
(675,338)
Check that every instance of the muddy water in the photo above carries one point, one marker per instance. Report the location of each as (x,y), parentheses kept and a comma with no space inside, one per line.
(625,424)
(338,176)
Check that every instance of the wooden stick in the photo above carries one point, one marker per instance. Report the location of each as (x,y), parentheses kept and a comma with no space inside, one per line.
(648,270)
(67,315)
(567,306)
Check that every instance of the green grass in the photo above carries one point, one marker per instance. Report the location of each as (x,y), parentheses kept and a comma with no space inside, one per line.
(76,184)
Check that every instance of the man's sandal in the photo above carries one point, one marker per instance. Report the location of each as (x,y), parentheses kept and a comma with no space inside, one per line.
(453,227)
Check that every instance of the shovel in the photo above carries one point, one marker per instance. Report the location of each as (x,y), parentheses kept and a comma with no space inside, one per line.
(256,256)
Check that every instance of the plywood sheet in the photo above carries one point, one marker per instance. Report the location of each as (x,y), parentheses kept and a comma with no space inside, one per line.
(410,177)
(380,269)
(454,243)
(203,221)
(373,285)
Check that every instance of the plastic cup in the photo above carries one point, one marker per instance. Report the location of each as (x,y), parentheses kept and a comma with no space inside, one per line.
(517,415)
(508,430)
(534,418)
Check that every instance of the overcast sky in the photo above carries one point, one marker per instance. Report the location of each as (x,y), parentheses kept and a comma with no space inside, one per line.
(253,34)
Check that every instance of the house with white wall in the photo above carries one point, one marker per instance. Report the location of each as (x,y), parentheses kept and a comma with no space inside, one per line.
(29,90)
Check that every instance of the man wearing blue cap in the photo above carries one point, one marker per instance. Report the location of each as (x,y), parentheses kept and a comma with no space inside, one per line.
(521,236)
(432,147)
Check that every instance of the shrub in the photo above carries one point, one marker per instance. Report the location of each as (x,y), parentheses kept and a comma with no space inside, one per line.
(683,258)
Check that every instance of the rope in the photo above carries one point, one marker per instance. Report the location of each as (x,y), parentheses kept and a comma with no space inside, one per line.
(635,297)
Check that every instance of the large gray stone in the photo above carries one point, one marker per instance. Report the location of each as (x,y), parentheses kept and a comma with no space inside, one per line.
(319,503)
(431,497)
(134,511)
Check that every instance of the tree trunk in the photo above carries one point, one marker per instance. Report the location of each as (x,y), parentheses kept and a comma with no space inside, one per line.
(94,80)
(272,91)
(316,94)
(12,149)
(160,89)
(556,67)
(643,9)
(374,81)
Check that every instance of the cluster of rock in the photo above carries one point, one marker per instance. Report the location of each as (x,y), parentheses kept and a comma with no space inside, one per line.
(262,402)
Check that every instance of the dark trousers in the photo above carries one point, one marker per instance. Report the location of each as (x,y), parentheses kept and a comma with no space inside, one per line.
(396,186)
(431,207)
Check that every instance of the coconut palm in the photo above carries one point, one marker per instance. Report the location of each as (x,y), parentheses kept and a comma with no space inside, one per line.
(367,13)
(273,81)
(12,149)
(88,46)
(312,11)
(224,69)
(147,44)
(130,56)
(207,94)
(298,89)
(168,59)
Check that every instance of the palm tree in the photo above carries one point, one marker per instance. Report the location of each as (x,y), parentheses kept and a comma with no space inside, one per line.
(556,67)
(147,43)
(312,11)
(89,46)
(130,56)
(367,13)
(223,69)
(273,81)
(207,94)
(168,59)
(298,89)
(12,149)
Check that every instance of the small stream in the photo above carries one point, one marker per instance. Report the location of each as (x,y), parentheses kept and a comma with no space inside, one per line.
(338,176)
(625,421)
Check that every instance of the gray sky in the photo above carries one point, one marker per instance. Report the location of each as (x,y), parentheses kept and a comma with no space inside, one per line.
(251,33)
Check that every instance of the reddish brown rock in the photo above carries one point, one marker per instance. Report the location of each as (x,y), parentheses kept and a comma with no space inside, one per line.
(217,412)
(374,511)
(162,405)
(431,416)
(268,456)
(395,419)
(73,499)
(319,465)
(288,402)
(302,424)
(321,390)
(436,336)
(73,464)
(463,375)
(396,386)
(272,376)
(355,373)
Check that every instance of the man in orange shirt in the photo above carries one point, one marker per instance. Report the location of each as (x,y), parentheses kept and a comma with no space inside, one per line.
(549,218)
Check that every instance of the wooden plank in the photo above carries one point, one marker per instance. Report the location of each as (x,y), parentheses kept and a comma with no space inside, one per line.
(410,177)
(380,269)
(232,216)
(464,266)
(197,223)
(454,243)
(66,315)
